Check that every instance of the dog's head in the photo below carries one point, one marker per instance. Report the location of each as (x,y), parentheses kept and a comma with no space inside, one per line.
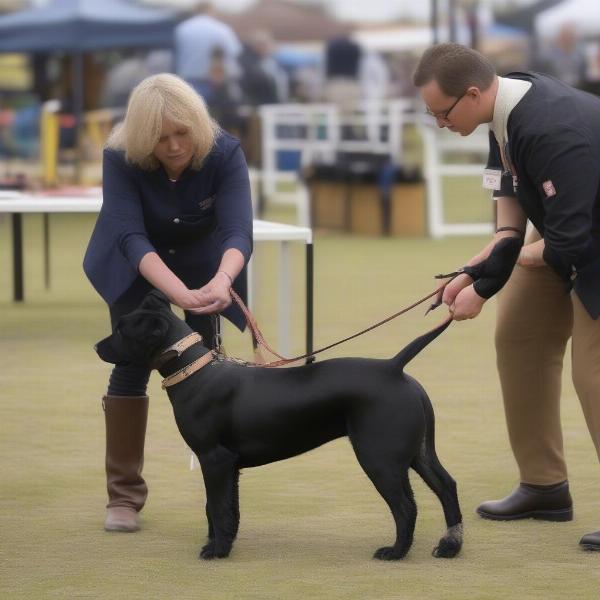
(140,335)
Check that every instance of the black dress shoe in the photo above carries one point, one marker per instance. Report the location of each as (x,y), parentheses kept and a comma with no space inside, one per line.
(591,541)
(547,503)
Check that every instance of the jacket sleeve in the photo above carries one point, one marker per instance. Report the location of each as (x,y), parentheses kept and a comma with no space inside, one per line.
(122,210)
(564,168)
(234,204)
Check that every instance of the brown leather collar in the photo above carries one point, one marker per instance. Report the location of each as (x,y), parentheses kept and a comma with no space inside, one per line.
(177,349)
(188,370)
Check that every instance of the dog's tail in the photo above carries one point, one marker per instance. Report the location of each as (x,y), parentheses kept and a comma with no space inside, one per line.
(409,352)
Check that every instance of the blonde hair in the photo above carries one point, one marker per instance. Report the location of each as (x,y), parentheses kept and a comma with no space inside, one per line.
(154,99)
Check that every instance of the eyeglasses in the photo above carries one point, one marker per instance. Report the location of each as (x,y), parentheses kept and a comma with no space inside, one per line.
(443,116)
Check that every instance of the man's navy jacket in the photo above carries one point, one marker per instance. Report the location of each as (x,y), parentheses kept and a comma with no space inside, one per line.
(554,151)
(189,224)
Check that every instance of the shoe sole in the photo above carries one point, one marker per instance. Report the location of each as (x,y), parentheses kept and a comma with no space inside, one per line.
(121,529)
(557,516)
(590,547)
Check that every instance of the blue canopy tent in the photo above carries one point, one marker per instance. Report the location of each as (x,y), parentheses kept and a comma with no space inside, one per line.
(79,26)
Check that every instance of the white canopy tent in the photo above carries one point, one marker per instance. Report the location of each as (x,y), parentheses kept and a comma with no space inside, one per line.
(584,15)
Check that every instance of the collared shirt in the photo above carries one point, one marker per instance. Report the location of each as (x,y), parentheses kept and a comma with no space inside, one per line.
(500,175)
(509,94)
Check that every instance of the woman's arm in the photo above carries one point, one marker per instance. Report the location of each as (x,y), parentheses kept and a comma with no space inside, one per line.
(215,295)
(234,218)
(154,270)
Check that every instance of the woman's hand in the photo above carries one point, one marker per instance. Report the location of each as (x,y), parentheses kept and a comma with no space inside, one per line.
(214,297)
(455,286)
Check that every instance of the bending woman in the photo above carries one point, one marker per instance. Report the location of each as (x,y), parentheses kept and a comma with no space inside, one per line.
(176,216)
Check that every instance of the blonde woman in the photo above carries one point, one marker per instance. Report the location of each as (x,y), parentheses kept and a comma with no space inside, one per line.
(176,216)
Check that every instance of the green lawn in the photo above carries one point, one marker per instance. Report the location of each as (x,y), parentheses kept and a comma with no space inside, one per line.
(309,525)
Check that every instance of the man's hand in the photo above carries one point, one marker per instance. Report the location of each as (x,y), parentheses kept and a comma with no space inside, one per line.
(467,304)
(454,287)
(532,255)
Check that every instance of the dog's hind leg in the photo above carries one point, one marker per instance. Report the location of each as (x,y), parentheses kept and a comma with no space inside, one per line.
(221,474)
(391,481)
(428,466)
(444,487)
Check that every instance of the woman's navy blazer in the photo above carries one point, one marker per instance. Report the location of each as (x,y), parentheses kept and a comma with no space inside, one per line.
(189,223)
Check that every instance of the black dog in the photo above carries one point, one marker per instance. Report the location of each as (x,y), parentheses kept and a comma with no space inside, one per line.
(235,416)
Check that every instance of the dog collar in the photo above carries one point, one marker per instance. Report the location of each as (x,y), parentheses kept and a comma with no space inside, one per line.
(188,370)
(184,343)
(177,349)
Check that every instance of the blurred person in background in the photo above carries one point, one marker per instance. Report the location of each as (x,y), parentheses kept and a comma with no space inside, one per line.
(195,41)
(130,70)
(224,96)
(544,165)
(263,81)
(177,217)
(342,69)
(374,76)
(564,58)
(592,71)
(353,73)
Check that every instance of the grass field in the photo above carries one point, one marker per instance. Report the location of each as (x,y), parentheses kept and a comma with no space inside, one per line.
(309,525)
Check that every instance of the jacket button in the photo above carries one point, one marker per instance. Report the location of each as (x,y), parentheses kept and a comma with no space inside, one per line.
(171,250)
(176,220)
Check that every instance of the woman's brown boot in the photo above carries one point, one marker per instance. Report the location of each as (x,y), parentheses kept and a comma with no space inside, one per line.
(126,418)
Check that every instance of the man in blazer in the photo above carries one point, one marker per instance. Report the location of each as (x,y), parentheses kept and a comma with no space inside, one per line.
(544,166)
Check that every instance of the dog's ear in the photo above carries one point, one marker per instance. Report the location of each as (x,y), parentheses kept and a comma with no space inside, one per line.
(156,300)
(155,328)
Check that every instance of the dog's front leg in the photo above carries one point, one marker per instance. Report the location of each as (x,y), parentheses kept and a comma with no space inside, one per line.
(221,474)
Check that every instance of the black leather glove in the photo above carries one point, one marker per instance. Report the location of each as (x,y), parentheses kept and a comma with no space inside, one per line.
(491,274)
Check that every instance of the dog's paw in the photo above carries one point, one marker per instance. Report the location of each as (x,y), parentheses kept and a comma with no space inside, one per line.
(214,550)
(447,548)
(388,553)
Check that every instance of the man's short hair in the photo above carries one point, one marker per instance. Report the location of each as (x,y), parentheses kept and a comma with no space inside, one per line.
(455,68)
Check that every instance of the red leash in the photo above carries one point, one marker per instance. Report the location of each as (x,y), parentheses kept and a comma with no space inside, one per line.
(260,339)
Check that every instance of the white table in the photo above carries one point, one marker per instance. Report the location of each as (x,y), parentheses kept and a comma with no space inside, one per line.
(17,203)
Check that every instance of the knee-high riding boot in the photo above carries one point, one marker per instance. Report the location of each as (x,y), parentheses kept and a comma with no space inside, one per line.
(126,418)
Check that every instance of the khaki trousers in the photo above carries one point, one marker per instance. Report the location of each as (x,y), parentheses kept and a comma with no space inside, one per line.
(535,320)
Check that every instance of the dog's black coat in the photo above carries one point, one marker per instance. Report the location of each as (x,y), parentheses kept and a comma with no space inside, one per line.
(233,416)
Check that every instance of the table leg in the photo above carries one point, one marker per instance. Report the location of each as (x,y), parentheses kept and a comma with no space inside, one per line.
(309,301)
(17,239)
(284,299)
(47,250)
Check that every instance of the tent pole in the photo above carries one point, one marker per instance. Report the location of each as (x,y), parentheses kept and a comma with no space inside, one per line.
(78,99)
(434,20)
